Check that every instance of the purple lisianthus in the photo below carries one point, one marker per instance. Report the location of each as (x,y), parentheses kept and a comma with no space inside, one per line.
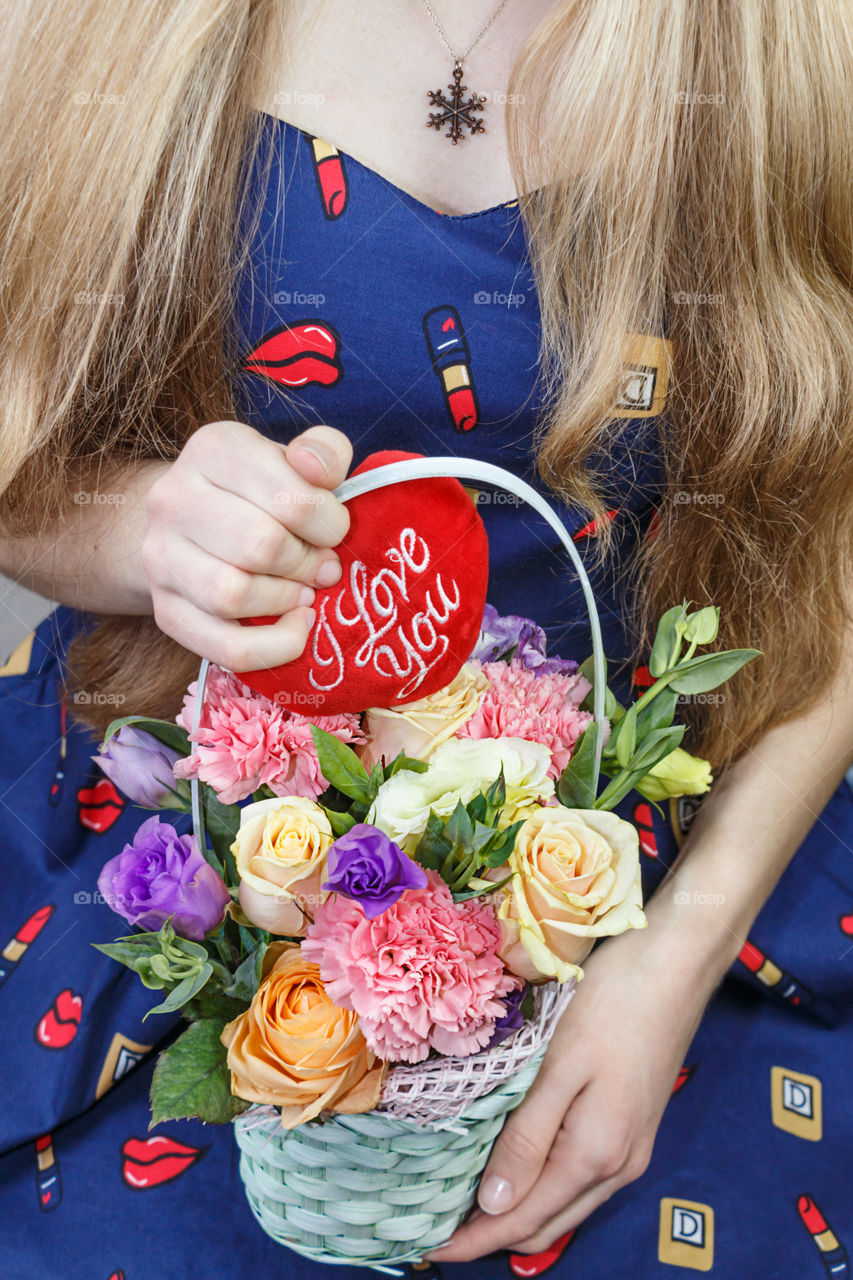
(512,1019)
(161,875)
(512,635)
(140,766)
(368,867)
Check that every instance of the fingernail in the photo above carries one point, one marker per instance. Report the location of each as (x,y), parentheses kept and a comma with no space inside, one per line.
(306,596)
(320,451)
(495,1194)
(310,618)
(328,573)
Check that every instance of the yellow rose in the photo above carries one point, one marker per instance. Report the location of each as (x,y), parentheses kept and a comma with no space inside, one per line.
(575,878)
(294,1049)
(417,728)
(678,774)
(280,850)
(458,770)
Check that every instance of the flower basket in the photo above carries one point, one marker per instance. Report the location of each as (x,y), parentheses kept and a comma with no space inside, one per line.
(383,1187)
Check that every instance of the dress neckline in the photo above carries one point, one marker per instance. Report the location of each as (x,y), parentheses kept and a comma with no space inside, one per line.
(398,192)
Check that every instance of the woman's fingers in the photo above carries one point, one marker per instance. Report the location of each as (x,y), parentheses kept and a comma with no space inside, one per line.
(229,644)
(224,590)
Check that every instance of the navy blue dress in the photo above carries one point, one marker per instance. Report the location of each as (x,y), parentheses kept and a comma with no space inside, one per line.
(366,309)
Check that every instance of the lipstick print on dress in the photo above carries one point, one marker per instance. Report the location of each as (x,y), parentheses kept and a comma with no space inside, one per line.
(296,355)
(330,172)
(15,948)
(99,806)
(451,360)
(769,973)
(149,1162)
(58,1027)
(48,1181)
(833,1255)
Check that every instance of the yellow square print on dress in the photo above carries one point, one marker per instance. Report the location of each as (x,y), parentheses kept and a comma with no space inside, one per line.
(797,1103)
(645,381)
(686,1237)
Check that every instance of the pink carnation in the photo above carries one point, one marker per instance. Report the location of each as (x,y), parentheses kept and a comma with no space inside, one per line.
(245,740)
(425,974)
(539,708)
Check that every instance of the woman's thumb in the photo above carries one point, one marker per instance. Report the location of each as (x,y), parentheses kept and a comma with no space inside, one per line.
(520,1152)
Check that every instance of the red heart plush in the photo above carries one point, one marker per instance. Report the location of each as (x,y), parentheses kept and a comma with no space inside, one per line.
(407,610)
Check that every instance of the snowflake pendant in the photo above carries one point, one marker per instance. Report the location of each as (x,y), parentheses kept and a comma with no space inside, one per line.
(456,111)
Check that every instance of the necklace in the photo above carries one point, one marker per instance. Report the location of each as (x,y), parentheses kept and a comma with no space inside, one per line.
(456,111)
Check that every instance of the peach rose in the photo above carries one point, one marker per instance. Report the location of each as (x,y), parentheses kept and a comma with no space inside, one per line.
(417,728)
(576,877)
(280,850)
(294,1049)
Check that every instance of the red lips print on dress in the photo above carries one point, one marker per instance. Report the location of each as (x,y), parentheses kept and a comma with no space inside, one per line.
(407,611)
(149,1162)
(59,1025)
(536,1264)
(298,354)
(99,806)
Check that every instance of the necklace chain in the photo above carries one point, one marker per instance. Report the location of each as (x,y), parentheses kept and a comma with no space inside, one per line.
(459,59)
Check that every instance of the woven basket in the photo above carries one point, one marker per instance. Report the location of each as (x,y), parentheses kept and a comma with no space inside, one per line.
(384,1187)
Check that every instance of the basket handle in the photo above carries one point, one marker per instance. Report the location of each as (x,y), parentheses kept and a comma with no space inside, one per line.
(459,469)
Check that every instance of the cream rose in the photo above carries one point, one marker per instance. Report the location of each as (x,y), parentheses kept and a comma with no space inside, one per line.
(678,774)
(458,769)
(418,728)
(575,878)
(280,850)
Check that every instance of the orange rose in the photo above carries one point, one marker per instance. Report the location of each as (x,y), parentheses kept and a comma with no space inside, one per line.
(296,1050)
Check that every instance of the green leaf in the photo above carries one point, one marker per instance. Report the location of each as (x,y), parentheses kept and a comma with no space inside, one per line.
(656,746)
(432,848)
(191,1080)
(183,992)
(623,742)
(490,887)
(613,709)
(341,767)
(458,829)
(502,846)
(528,1004)
(703,625)
(340,823)
(576,786)
(213,1004)
(702,674)
(406,762)
(657,713)
(222,822)
(667,642)
(247,975)
(165,731)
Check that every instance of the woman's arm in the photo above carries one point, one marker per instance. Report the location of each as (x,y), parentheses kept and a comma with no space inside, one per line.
(237,526)
(587,1126)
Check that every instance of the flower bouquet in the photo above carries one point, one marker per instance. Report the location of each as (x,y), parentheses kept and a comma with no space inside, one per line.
(378,916)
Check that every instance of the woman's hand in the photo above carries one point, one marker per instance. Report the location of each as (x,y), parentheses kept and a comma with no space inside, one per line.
(239,526)
(588,1125)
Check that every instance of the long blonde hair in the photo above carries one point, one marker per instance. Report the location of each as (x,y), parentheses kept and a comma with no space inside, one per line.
(688,164)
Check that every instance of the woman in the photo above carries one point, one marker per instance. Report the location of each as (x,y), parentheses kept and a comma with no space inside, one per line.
(662,327)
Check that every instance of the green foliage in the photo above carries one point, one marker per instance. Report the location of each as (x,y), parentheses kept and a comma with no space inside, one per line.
(469,841)
(191,1080)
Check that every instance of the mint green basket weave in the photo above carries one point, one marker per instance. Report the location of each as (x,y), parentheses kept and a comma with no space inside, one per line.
(370,1190)
(383,1187)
